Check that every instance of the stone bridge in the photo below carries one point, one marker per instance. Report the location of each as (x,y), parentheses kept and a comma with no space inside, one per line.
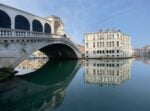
(22,33)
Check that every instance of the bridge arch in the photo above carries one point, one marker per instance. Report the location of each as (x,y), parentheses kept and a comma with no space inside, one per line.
(22,23)
(37,26)
(47,28)
(62,51)
(5,21)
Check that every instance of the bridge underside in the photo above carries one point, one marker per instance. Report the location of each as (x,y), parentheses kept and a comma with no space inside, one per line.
(59,51)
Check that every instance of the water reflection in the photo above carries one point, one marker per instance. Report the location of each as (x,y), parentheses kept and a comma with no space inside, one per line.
(107,72)
(39,89)
(146,60)
(30,65)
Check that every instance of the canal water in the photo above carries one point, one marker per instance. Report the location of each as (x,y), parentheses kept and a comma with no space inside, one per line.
(85,85)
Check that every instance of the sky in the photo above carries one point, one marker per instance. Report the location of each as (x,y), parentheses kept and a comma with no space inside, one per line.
(132,17)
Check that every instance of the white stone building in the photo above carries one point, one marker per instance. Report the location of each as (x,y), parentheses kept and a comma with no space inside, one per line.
(107,44)
(107,72)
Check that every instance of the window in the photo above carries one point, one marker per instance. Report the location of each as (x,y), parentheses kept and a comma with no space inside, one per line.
(87,45)
(118,35)
(117,51)
(117,43)
(107,44)
(97,44)
(117,72)
(93,37)
(93,71)
(93,44)
(103,44)
(113,36)
(113,44)
(87,71)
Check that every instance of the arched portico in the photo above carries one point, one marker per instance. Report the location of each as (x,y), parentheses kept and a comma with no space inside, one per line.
(5,21)
(37,26)
(22,23)
(47,28)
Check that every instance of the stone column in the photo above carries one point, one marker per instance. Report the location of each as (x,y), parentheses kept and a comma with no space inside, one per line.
(13,22)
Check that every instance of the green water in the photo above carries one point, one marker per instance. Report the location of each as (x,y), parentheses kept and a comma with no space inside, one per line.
(85,85)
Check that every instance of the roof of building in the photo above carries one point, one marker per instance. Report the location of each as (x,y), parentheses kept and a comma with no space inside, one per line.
(108,31)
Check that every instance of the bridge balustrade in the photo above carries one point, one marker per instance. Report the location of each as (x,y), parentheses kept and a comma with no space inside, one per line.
(22,33)
(10,33)
(5,33)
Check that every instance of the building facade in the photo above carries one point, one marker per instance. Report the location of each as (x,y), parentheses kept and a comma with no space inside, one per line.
(146,51)
(107,44)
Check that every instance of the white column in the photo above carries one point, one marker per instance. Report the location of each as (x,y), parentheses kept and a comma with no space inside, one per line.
(13,22)
(31,29)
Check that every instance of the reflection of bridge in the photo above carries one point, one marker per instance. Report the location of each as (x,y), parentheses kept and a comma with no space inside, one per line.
(40,89)
(22,33)
(111,72)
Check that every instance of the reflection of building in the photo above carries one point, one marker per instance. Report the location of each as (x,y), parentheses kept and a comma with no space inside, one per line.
(38,54)
(107,71)
(107,44)
(32,64)
(144,59)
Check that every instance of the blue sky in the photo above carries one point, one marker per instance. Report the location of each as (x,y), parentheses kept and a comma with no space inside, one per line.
(81,16)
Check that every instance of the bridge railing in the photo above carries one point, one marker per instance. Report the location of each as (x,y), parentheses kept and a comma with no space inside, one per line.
(23,33)
(10,33)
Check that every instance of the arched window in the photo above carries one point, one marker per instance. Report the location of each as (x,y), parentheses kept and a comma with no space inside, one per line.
(5,21)
(37,26)
(21,23)
(47,28)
